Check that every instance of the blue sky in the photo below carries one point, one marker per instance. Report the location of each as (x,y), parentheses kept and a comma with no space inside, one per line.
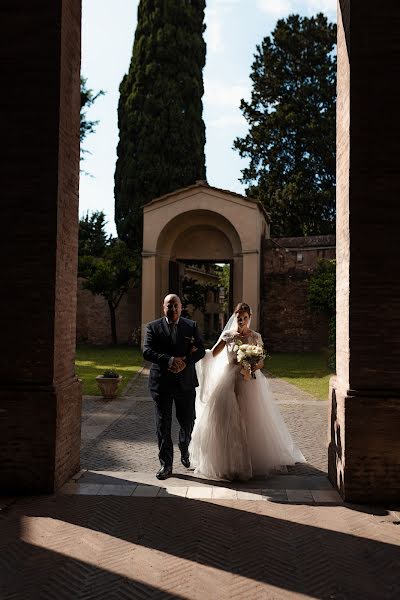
(234,28)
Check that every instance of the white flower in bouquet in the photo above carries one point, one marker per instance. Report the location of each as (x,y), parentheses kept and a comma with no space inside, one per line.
(248,355)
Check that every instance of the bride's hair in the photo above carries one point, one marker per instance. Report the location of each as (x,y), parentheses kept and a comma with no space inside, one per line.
(242,307)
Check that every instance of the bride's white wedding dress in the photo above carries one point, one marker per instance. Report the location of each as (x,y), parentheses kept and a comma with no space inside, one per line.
(239,431)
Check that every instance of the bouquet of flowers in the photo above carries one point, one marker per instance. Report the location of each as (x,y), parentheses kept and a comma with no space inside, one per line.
(248,355)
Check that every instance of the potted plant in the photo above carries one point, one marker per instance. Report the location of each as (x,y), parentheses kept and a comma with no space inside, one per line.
(108,383)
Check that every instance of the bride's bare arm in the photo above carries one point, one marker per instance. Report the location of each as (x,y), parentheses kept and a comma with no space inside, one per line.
(218,348)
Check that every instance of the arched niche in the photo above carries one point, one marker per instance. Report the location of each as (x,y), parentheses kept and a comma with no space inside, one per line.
(198,235)
(202,234)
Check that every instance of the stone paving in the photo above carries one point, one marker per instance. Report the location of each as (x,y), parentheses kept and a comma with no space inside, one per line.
(120,435)
(116,532)
(84,547)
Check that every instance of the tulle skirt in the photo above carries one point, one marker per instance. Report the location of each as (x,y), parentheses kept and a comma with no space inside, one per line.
(239,431)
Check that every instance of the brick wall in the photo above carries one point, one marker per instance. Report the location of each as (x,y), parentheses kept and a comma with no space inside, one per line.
(287,322)
(364,447)
(40,396)
(93,317)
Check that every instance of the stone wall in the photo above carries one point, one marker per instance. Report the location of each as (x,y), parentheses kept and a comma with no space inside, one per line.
(287,322)
(93,317)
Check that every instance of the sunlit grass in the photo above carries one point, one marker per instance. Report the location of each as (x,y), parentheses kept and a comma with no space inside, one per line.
(308,371)
(93,360)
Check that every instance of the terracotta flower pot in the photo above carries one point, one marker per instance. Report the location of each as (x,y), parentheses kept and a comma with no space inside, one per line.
(108,386)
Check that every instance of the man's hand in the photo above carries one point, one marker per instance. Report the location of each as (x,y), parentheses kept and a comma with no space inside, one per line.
(178,364)
(258,365)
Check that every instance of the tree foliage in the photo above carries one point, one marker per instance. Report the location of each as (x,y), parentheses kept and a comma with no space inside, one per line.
(108,267)
(111,274)
(88,98)
(291,117)
(93,239)
(194,293)
(162,134)
(322,296)
(322,287)
(224,274)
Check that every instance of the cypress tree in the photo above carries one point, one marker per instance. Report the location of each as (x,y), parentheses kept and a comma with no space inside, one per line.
(162,133)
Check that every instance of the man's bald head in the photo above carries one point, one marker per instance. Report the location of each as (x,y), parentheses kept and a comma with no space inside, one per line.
(172,307)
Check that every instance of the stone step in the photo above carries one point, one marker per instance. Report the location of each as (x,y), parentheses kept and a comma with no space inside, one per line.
(277,482)
(282,488)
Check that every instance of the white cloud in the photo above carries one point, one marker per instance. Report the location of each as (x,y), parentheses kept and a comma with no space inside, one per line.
(276,8)
(213,35)
(325,6)
(281,8)
(217,93)
(216,16)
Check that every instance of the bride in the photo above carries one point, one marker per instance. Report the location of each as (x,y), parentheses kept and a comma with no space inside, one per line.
(239,431)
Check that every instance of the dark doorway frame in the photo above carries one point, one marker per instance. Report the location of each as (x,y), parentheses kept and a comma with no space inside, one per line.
(174,274)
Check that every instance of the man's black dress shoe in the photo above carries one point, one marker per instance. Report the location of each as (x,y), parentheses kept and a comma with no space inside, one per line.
(185,460)
(164,472)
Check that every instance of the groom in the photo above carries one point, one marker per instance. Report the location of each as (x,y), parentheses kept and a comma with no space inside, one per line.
(173,345)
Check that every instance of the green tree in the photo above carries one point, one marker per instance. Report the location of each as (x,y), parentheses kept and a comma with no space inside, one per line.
(93,239)
(291,117)
(88,98)
(110,275)
(322,297)
(224,273)
(322,288)
(162,134)
(193,293)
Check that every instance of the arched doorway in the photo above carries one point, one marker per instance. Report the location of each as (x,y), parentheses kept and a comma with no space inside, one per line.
(201,224)
(195,256)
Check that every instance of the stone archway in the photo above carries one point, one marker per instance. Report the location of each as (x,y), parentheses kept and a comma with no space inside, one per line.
(202,223)
(190,248)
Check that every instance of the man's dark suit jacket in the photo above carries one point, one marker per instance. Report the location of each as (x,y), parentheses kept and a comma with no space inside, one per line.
(158,349)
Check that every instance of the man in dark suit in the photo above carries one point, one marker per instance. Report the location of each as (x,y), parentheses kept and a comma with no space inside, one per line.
(173,345)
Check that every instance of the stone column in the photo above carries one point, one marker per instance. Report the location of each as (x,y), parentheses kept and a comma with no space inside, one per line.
(251,283)
(364,450)
(164,282)
(149,292)
(40,396)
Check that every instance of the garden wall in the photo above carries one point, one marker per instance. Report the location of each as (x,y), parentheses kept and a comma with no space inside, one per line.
(93,317)
(287,322)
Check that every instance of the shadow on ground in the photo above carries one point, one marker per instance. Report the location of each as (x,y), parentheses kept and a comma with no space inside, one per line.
(124,547)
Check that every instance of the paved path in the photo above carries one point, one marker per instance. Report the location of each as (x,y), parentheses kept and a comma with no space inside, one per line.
(119,435)
(90,547)
(115,532)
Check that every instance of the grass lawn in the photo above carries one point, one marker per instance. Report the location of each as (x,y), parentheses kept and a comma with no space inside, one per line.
(307,370)
(93,360)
